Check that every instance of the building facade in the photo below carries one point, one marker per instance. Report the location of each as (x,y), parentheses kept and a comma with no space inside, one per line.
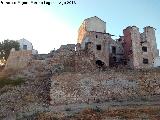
(25,44)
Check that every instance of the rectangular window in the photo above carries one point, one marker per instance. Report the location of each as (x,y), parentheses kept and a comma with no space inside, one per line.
(113,49)
(24,47)
(98,47)
(145,61)
(144,49)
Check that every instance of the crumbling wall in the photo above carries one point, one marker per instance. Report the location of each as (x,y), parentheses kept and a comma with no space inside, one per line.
(93,30)
(64,57)
(85,61)
(99,45)
(140,48)
(81,33)
(95,24)
(150,41)
(136,48)
(71,60)
(100,87)
(116,57)
(18,59)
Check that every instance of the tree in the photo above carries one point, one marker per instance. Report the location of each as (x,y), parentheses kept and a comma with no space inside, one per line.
(6,46)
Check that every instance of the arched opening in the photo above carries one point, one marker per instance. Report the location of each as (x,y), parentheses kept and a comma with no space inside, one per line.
(99,63)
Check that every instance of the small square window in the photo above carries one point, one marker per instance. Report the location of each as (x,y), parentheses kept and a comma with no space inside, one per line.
(98,47)
(145,61)
(144,49)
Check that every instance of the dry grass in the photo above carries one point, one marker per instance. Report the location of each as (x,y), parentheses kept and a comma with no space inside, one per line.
(93,114)
(12,82)
(149,113)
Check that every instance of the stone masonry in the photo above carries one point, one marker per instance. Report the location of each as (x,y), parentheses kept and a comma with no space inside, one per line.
(70,88)
(96,49)
(79,73)
(18,59)
(134,49)
(140,48)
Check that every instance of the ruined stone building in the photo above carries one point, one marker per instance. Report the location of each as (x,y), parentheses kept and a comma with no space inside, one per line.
(133,49)
(95,48)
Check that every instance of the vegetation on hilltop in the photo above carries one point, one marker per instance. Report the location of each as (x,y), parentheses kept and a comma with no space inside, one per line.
(6,46)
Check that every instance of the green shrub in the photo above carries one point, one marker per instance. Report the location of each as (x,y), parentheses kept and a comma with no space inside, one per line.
(12,82)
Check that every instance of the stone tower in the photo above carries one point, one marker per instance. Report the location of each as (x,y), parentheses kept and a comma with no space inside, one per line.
(92,35)
(140,48)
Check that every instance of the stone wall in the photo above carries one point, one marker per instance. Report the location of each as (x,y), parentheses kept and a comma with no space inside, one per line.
(103,86)
(18,59)
(71,60)
(63,59)
(91,40)
(134,44)
(81,33)
(101,39)
(116,58)
(95,24)
(136,47)
(91,24)
(130,52)
(85,61)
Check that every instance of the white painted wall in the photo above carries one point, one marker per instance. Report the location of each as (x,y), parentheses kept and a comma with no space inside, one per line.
(23,42)
(157,62)
(95,24)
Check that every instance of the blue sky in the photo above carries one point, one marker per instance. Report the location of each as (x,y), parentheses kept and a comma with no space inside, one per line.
(48,27)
